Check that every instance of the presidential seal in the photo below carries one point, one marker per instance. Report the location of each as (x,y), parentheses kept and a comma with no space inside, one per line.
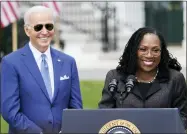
(119,127)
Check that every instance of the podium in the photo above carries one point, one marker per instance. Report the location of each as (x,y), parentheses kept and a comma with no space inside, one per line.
(128,120)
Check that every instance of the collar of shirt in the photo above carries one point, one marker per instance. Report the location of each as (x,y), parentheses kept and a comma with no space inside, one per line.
(37,54)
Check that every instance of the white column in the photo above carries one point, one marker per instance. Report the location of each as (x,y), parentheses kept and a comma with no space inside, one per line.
(184,24)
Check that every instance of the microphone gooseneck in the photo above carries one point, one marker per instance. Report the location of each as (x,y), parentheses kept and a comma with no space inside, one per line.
(130,83)
(112,87)
(120,94)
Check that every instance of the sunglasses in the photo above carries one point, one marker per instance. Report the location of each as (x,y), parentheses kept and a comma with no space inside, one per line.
(39,27)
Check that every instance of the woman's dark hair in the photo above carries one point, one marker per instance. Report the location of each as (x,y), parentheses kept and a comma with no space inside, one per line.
(128,60)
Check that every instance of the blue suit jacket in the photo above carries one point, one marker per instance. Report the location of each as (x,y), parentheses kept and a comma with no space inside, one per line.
(24,99)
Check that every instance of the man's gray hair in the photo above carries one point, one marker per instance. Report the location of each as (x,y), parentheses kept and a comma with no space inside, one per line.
(36,9)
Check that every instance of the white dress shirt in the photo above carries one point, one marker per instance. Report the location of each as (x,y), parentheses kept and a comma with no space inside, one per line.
(37,55)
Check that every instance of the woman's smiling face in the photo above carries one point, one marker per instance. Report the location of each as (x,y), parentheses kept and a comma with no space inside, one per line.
(149,53)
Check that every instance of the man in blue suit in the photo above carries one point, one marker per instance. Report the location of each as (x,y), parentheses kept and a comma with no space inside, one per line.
(37,81)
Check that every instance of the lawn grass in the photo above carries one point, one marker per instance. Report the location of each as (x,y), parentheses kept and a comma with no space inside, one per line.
(91,94)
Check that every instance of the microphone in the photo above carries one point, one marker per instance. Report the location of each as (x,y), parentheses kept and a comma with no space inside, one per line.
(130,83)
(112,86)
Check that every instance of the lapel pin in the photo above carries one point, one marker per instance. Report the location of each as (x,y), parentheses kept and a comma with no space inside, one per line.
(58,60)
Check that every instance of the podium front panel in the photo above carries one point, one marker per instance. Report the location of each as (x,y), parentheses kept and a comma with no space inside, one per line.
(143,120)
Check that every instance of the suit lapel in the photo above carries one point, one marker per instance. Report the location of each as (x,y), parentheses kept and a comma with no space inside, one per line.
(136,91)
(155,87)
(32,66)
(57,65)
